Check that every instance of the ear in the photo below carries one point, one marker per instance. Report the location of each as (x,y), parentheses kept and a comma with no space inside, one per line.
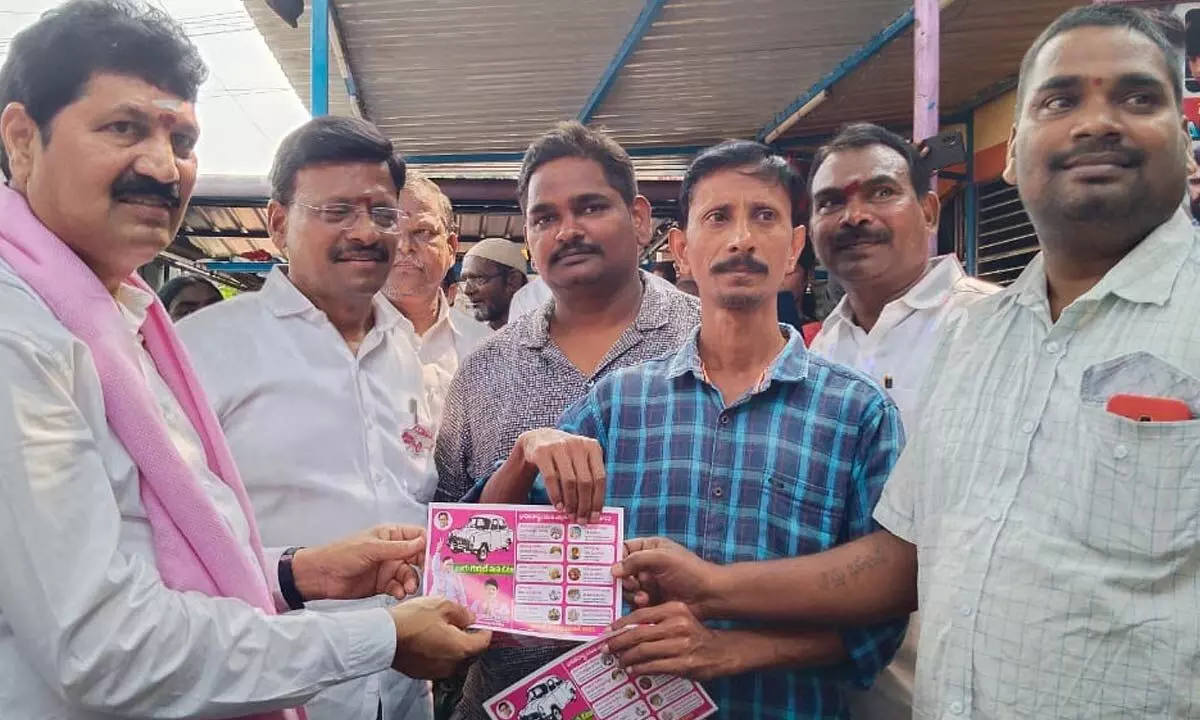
(21,138)
(799,237)
(515,280)
(277,219)
(641,220)
(452,243)
(1010,167)
(931,209)
(677,241)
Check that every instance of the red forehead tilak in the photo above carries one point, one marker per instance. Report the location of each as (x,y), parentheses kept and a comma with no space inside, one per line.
(852,188)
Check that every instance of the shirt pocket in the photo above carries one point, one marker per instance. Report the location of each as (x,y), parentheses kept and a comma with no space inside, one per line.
(801,517)
(1140,490)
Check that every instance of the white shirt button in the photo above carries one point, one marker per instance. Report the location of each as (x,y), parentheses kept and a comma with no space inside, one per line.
(1052,348)
(1027,427)
(994,515)
(1120,452)
(965,611)
(956,707)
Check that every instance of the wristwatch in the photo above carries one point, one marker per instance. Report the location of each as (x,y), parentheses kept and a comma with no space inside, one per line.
(287,580)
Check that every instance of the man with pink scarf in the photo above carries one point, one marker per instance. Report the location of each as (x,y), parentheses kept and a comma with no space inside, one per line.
(134,582)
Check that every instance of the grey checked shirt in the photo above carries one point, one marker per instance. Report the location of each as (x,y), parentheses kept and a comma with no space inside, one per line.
(516,381)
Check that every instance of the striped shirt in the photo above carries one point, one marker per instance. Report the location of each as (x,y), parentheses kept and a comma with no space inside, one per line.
(1059,544)
(793,467)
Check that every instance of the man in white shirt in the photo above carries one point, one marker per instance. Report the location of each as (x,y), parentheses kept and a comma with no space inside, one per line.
(1057,532)
(315,379)
(873,212)
(104,610)
(442,334)
(530,297)
(493,272)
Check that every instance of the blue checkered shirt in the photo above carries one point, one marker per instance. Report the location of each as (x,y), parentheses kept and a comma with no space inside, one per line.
(792,468)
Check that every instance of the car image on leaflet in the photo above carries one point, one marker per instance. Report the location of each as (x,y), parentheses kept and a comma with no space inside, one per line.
(482,534)
(548,699)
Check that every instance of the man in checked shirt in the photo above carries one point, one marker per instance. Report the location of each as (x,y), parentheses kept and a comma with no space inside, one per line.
(740,446)
(1057,534)
(585,226)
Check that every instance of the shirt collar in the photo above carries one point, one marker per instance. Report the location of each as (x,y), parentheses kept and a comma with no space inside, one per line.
(134,304)
(286,300)
(653,314)
(443,316)
(790,366)
(932,290)
(1146,275)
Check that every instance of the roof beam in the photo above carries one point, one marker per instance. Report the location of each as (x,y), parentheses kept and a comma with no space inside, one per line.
(847,66)
(485,157)
(640,27)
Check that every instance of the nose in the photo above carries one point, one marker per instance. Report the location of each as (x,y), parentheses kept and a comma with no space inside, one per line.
(855,212)
(1097,119)
(741,239)
(568,229)
(157,159)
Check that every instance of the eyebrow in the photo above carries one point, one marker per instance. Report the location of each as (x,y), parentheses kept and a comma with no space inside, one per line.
(1125,81)
(180,123)
(872,181)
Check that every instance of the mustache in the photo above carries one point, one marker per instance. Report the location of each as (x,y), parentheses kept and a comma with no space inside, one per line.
(849,235)
(575,247)
(134,185)
(740,263)
(349,253)
(1121,155)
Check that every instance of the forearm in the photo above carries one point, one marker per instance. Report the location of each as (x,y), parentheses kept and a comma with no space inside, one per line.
(772,648)
(868,580)
(512,482)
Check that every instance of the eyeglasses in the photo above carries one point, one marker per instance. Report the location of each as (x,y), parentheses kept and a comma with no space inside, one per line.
(476,280)
(344,215)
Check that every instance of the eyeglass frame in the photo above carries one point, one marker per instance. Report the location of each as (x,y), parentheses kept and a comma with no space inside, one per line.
(358,209)
(482,279)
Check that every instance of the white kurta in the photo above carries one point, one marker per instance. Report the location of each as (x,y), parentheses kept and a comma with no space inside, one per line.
(87,629)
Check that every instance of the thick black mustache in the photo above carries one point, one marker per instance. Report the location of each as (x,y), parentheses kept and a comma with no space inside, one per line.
(856,234)
(740,263)
(575,247)
(133,185)
(351,253)
(1124,156)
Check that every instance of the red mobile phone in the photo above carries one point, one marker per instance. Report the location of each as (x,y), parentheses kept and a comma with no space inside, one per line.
(1145,408)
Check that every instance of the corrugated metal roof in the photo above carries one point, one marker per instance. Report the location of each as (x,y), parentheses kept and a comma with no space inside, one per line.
(714,69)
(983,42)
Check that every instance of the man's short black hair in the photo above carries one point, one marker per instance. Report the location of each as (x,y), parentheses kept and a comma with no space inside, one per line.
(1105,16)
(50,62)
(858,136)
(331,140)
(749,157)
(576,140)
(491,582)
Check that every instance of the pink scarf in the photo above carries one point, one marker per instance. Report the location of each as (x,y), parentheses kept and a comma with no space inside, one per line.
(193,547)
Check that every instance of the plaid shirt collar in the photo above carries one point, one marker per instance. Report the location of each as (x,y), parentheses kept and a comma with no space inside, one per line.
(790,366)
(653,315)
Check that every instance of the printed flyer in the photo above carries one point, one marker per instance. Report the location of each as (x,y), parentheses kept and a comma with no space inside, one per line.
(586,684)
(526,569)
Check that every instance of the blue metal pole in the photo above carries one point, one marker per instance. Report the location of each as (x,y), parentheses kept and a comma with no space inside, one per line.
(971,202)
(319,55)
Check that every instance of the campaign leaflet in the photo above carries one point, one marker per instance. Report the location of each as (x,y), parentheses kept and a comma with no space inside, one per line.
(587,684)
(526,569)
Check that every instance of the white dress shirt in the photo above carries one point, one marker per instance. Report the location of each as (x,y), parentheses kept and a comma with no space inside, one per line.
(329,442)
(896,353)
(453,336)
(87,629)
(1059,544)
(531,296)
